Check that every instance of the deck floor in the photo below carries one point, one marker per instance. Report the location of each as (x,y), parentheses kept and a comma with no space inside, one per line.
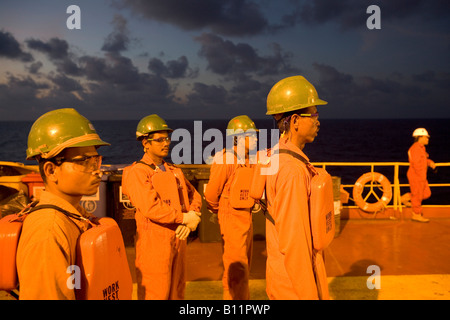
(413,258)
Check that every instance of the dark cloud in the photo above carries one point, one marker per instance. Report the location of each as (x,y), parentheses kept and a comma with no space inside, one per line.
(55,48)
(208,95)
(10,48)
(226,17)
(437,79)
(118,40)
(25,95)
(120,71)
(17,83)
(35,67)
(173,69)
(68,66)
(122,101)
(114,69)
(215,101)
(246,85)
(65,83)
(57,51)
(391,97)
(236,60)
(109,86)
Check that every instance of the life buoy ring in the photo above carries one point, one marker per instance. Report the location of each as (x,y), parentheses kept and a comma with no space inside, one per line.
(359,187)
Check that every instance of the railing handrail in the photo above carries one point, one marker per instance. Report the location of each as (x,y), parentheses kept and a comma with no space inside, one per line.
(397,204)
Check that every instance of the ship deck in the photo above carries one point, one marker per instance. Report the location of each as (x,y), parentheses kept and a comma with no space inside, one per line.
(413,258)
(414,262)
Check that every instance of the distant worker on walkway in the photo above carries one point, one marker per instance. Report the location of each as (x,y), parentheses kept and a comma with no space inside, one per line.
(227,194)
(417,173)
(295,270)
(167,210)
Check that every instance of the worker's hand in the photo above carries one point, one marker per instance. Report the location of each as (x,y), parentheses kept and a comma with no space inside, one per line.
(432,165)
(182,232)
(191,220)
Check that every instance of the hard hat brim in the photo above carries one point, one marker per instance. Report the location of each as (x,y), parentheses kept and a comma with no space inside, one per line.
(282,109)
(241,133)
(140,135)
(88,143)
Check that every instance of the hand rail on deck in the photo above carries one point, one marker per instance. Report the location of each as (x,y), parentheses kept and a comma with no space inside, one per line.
(397,204)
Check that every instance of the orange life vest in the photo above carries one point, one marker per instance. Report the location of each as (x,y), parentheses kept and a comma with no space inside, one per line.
(102,259)
(240,188)
(10,229)
(170,187)
(101,256)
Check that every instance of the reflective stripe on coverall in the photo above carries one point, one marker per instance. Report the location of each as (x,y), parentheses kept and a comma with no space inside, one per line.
(47,246)
(160,255)
(417,176)
(236,228)
(289,271)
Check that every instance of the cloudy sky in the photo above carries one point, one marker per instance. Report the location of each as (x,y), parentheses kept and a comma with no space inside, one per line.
(200,59)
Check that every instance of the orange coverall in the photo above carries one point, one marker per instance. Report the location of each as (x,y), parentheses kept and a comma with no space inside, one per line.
(47,246)
(417,176)
(160,255)
(289,269)
(236,228)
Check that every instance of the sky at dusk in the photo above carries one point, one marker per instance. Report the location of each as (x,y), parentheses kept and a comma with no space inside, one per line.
(200,59)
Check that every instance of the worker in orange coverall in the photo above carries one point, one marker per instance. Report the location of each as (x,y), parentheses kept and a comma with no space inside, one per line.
(236,225)
(417,173)
(290,272)
(167,210)
(65,145)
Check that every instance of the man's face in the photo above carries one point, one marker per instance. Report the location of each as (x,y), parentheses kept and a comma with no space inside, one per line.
(424,140)
(158,145)
(251,142)
(79,174)
(308,126)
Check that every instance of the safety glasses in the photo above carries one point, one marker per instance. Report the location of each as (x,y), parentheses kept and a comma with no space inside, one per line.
(161,140)
(310,115)
(86,164)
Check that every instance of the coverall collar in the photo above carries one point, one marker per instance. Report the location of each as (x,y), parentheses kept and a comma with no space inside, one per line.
(147,159)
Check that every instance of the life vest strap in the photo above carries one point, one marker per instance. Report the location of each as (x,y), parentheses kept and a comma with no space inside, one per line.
(35,206)
(299,157)
(150,165)
(268,216)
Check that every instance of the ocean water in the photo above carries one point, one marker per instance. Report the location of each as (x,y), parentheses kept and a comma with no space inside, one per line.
(338,141)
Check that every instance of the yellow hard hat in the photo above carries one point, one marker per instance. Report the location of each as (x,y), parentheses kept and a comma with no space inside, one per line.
(241,124)
(291,94)
(149,124)
(56,130)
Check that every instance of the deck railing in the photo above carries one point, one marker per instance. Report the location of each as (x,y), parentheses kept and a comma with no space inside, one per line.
(395,182)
